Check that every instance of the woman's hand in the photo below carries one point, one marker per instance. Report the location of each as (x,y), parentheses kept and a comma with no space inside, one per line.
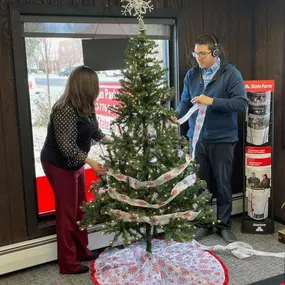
(97,167)
(106,139)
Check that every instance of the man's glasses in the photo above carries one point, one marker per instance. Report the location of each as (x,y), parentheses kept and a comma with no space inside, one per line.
(200,54)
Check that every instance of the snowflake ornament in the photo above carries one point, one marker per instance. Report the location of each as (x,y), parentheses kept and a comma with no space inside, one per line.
(140,7)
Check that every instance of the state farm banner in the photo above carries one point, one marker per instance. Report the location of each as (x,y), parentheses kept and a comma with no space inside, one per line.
(258,180)
(259,94)
(105,100)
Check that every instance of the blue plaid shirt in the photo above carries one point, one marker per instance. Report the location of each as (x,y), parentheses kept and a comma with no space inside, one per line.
(208,74)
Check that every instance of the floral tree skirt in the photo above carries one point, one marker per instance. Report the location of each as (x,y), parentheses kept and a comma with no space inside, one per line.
(170,263)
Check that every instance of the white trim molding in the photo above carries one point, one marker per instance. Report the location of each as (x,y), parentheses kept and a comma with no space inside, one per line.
(39,251)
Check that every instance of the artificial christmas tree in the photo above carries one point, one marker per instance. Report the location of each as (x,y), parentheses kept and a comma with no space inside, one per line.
(151,183)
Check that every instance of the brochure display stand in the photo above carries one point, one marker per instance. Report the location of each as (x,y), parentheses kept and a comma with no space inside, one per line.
(258,209)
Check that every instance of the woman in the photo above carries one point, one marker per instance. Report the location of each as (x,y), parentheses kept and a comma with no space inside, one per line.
(265,182)
(71,128)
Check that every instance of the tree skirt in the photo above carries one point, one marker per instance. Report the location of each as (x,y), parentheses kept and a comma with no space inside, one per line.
(171,263)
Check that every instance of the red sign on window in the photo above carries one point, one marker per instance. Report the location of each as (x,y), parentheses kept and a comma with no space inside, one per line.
(105,100)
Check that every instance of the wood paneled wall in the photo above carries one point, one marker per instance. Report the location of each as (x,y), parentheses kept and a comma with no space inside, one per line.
(12,207)
(251,32)
(269,57)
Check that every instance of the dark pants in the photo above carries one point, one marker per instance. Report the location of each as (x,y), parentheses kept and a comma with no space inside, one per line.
(69,192)
(216,165)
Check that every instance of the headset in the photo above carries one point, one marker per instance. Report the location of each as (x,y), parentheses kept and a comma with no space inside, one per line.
(215,51)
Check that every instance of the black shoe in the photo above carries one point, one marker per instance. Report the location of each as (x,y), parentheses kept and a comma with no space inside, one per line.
(95,254)
(228,236)
(202,232)
(83,269)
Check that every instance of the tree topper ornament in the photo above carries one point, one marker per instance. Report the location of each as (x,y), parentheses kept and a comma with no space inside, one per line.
(140,8)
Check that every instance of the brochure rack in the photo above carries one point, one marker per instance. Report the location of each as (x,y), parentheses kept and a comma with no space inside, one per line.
(258,161)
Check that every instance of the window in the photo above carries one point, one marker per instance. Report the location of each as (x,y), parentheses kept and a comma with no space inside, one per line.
(52,51)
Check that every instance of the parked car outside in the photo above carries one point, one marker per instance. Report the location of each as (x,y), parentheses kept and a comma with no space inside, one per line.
(65,71)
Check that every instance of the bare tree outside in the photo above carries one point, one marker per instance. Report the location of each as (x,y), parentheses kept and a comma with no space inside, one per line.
(46,55)
(33,52)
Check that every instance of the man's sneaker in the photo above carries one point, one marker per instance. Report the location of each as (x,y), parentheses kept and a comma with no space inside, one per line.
(228,236)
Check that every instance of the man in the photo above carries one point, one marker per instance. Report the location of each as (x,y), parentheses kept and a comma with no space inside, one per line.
(216,83)
(253,181)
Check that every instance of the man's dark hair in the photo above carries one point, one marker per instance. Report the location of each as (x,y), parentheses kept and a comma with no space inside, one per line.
(212,42)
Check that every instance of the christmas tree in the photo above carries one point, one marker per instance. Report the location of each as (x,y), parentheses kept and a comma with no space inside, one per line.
(151,185)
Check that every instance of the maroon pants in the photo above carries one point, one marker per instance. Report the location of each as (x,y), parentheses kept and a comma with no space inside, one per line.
(69,192)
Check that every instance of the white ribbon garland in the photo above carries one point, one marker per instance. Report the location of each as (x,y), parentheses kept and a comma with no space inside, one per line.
(188,114)
(155,220)
(136,184)
(239,249)
(199,123)
(178,188)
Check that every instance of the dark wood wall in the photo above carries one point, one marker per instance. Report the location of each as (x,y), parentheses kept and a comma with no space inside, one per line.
(252,34)
(12,207)
(269,58)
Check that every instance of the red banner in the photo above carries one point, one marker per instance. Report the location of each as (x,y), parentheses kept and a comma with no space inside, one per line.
(258,162)
(258,150)
(259,85)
